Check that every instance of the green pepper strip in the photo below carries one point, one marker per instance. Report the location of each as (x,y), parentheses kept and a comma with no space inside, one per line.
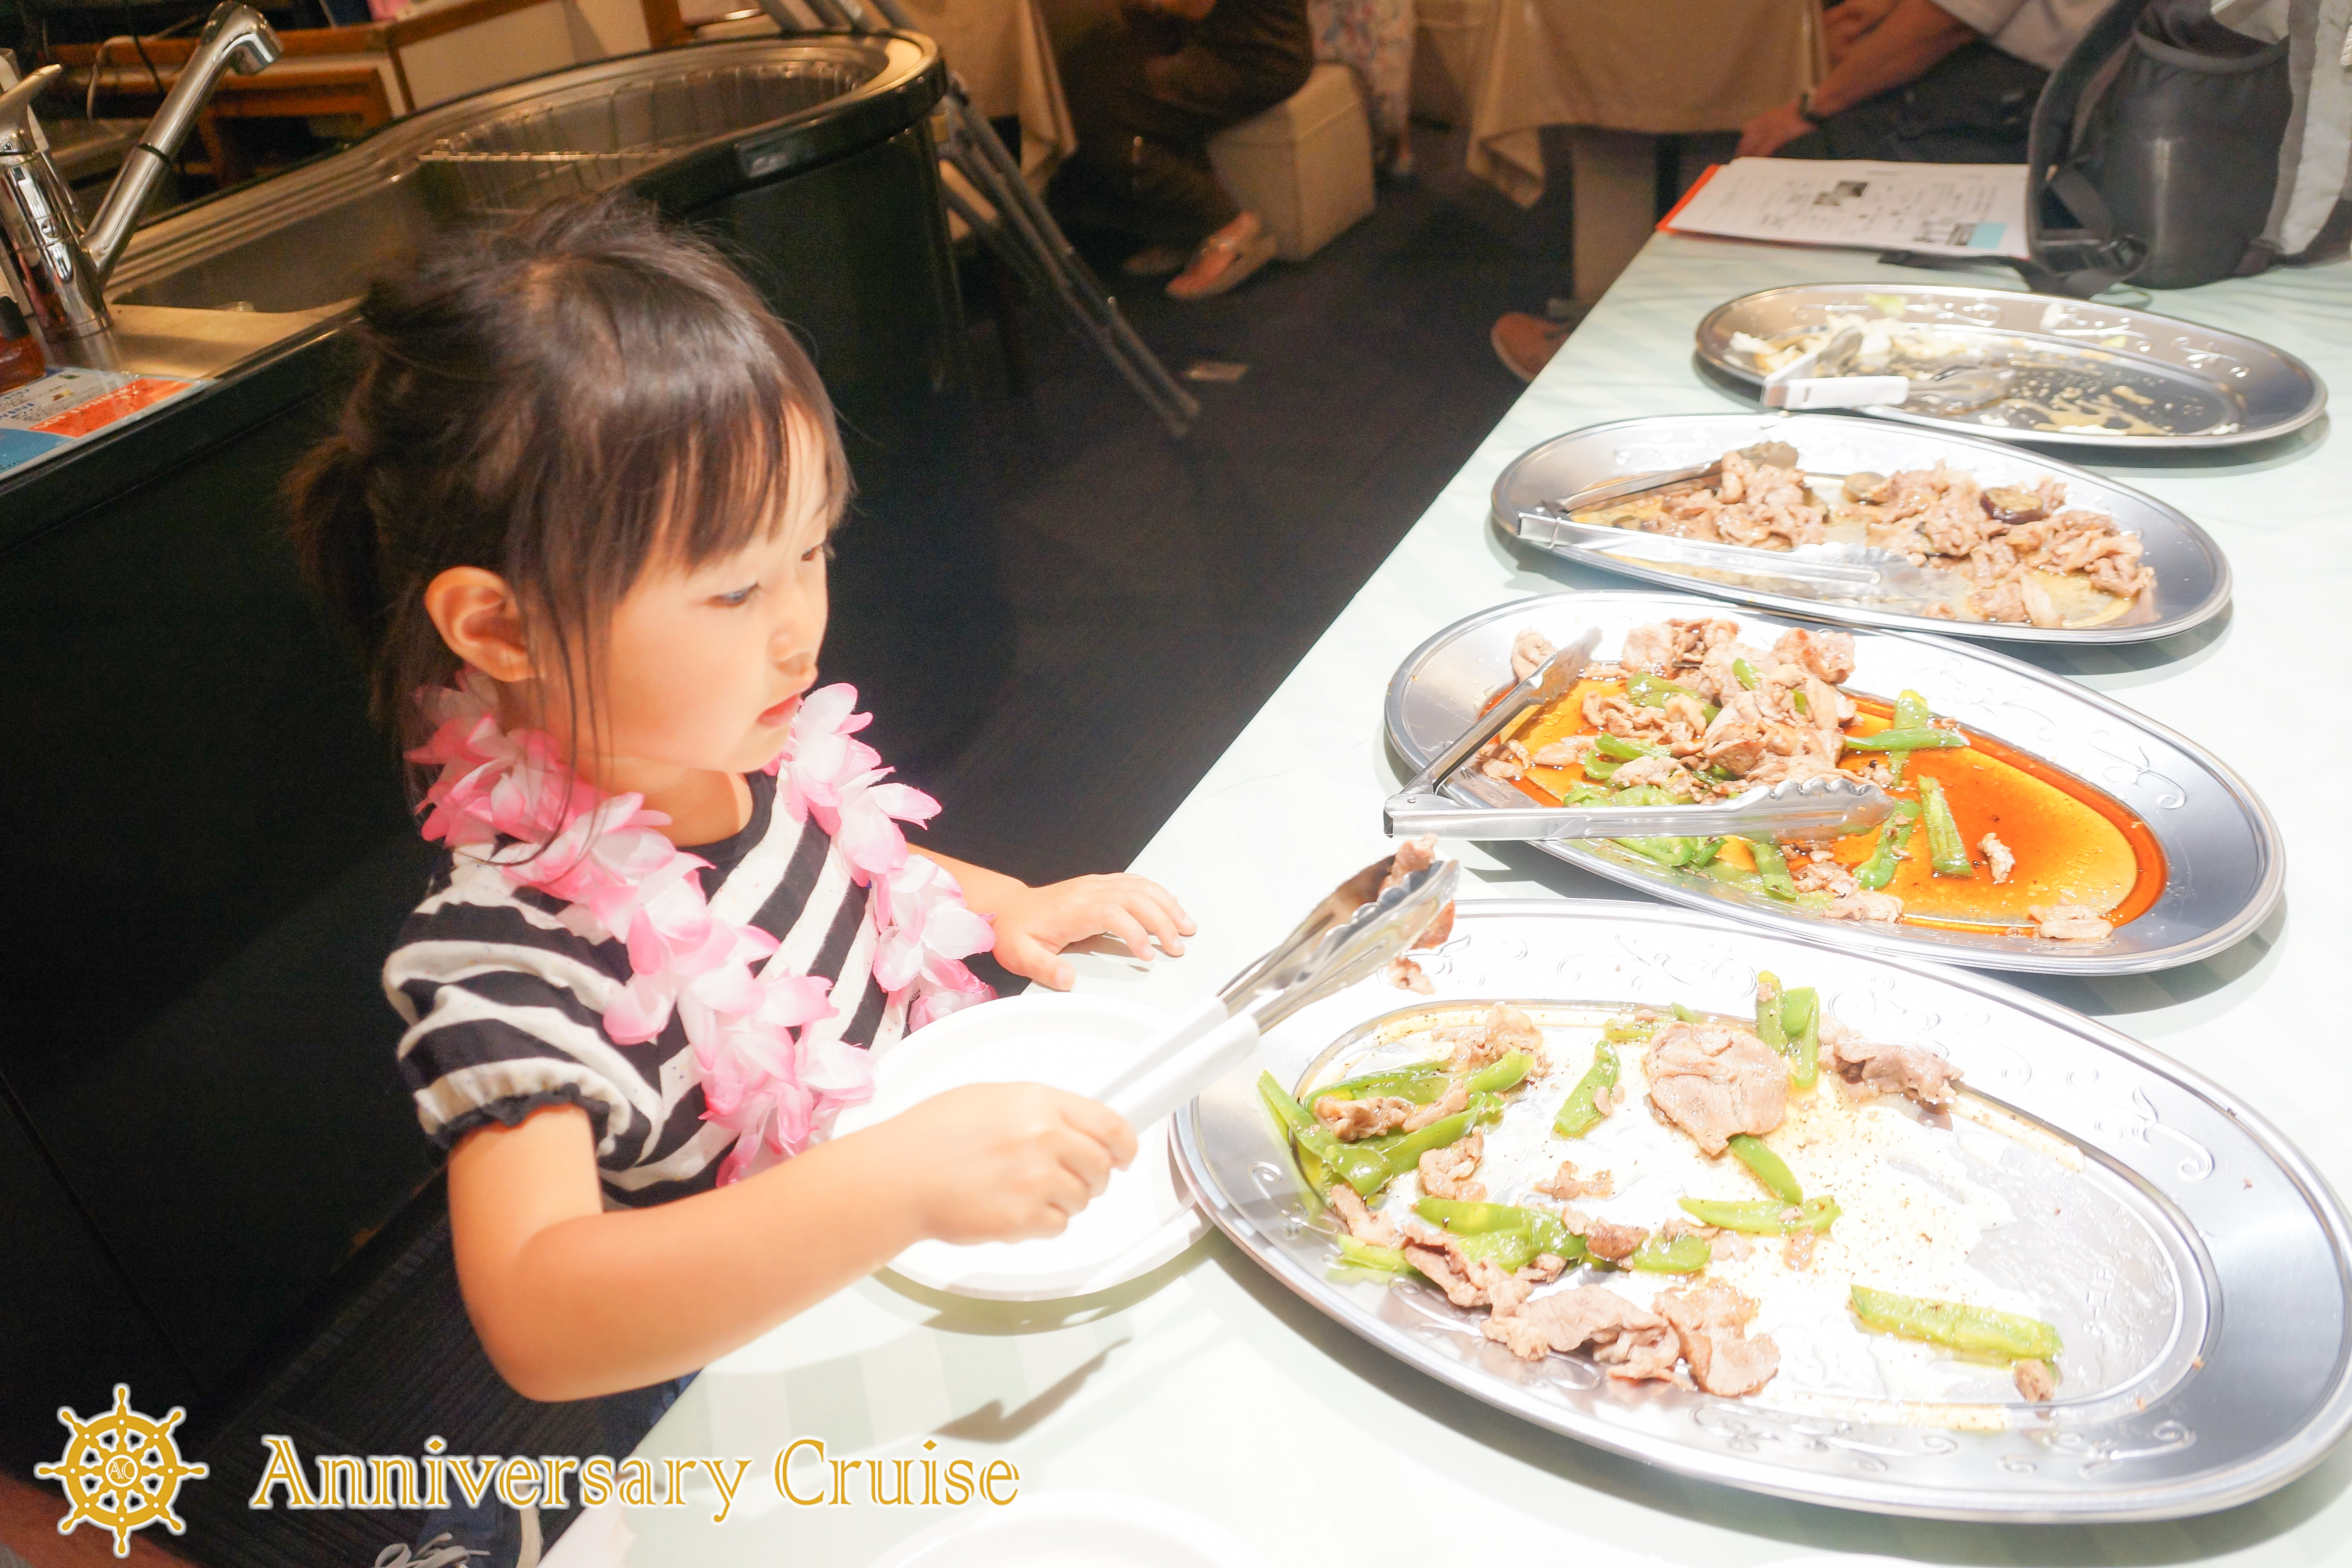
(1911,712)
(1879,869)
(1357,1164)
(1621,1030)
(1656,691)
(1600,768)
(1684,1015)
(1422,1083)
(1682,1255)
(1578,1114)
(1907,740)
(1500,1075)
(1978,1330)
(1626,751)
(1801,1020)
(1745,671)
(1379,1259)
(1771,867)
(1545,1232)
(1763,1216)
(1768,1168)
(1768,1012)
(1803,705)
(1945,848)
(1398,1152)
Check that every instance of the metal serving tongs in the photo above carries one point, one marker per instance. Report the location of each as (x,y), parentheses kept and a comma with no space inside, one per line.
(1836,570)
(1350,935)
(1814,807)
(1818,380)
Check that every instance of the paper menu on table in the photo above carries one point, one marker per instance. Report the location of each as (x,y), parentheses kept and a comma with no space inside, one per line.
(1942,209)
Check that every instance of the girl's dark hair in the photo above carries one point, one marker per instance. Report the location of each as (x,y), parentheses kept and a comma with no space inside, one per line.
(563,402)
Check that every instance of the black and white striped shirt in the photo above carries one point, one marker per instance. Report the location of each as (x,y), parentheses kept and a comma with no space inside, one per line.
(505,1006)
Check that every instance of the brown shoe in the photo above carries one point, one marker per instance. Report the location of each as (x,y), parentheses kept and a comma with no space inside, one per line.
(1525,343)
(1224,258)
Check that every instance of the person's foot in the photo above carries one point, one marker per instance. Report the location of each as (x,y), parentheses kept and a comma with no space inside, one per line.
(1224,258)
(1525,343)
(1154,261)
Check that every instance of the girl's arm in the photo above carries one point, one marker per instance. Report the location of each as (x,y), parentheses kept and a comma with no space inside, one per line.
(572,1300)
(1034,924)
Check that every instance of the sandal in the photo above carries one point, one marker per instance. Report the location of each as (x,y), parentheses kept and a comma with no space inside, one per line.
(1248,256)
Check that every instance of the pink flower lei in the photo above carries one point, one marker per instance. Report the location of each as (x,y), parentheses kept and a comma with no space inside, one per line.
(511,802)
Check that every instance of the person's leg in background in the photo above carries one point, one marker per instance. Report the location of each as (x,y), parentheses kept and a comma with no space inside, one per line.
(1144,115)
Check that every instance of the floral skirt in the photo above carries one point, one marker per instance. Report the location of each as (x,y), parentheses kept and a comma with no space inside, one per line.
(1374,39)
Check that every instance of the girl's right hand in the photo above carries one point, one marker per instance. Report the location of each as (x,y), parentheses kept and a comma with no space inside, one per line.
(1006,1161)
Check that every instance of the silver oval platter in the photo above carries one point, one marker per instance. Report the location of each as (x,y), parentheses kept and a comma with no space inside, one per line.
(2150,380)
(2195,1264)
(2225,864)
(2193,578)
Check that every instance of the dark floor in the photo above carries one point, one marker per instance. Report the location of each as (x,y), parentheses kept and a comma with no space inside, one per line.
(1149,594)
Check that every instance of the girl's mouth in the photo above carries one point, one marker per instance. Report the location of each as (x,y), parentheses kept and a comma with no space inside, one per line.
(781,713)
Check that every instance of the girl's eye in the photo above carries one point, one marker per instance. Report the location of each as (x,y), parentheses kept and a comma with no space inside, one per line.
(819,551)
(737,599)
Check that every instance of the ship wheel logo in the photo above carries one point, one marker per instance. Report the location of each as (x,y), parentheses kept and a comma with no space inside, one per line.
(120,1470)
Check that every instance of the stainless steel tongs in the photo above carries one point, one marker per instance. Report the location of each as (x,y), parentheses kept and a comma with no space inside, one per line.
(1347,936)
(1434,802)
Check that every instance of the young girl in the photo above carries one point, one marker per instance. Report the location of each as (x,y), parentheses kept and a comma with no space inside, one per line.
(577,513)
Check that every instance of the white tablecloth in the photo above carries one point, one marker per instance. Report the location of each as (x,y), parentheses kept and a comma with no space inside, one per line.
(1658,66)
(1209,1387)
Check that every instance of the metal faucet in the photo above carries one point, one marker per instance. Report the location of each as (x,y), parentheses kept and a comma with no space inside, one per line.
(57,268)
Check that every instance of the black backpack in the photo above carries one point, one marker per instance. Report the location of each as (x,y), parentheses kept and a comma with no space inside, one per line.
(2154,154)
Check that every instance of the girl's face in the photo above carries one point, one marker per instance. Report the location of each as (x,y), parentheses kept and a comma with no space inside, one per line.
(704,668)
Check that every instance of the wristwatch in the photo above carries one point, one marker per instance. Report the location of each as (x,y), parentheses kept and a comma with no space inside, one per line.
(1805,108)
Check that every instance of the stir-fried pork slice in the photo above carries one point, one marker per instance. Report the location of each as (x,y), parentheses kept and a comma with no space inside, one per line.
(1671,647)
(1718,676)
(1829,654)
(2034,1380)
(2069,922)
(1820,874)
(1455,1098)
(1568,1184)
(1865,904)
(1411,854)
(1505,760)
(1528,651)
(1440,1259)
(1873,1067)
(1569,752)
(1448,1172)
(1710,1320)
(1663,772)
(1713,1080)
(2005,600)
(1762,503)
(1406,975)
(1350,1119)
(1603,1238)
(1362,1223)
(1503,1030)
(1631,1342)
(2003,862)
(1678,726)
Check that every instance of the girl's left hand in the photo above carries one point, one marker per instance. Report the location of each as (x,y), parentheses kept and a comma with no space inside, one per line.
(1034,924)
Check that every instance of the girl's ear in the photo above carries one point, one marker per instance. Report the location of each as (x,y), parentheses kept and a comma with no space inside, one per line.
(479,619)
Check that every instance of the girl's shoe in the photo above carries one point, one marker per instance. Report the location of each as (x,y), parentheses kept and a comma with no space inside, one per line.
(1154,261)
(1224,258)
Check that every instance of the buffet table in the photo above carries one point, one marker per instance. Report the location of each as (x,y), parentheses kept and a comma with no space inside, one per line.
(1206,1387)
